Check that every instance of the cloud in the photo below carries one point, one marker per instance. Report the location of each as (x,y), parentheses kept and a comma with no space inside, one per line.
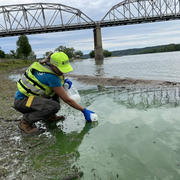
(98,7)
(113,38)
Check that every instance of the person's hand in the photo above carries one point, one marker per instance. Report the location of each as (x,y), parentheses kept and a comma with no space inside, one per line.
(68,82)
(87,114)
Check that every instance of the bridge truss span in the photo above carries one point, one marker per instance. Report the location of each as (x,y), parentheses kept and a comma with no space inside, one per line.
(141,11)
(41,18)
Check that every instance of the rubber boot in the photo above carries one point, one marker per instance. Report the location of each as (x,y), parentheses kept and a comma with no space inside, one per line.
(27,128)
(55,118)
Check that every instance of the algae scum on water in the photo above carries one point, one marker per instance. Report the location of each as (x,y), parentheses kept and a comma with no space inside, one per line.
(136,137)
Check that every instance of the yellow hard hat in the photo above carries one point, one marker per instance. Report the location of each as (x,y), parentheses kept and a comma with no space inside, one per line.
(61,61)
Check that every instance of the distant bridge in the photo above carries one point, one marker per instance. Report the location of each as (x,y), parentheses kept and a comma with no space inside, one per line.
(36,18)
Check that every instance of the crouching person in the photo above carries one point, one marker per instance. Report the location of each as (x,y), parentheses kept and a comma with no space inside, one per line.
(39,89)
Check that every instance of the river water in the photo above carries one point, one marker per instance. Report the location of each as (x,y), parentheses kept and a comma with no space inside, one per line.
(138,132)
(161,66)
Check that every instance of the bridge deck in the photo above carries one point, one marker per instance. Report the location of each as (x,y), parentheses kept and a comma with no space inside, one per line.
(36,18)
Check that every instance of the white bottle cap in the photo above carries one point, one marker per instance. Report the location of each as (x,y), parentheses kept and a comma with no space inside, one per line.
(94,117)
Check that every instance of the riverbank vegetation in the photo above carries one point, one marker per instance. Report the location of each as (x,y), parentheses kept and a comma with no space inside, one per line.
(11,64)
(147,50)
(106,53)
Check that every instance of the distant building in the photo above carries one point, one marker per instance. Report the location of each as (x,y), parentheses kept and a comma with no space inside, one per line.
(78,56)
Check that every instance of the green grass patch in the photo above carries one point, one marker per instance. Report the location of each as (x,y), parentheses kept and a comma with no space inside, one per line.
(11,64)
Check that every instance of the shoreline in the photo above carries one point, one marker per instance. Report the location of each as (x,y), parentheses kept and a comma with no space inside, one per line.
(115,81)
(122,82)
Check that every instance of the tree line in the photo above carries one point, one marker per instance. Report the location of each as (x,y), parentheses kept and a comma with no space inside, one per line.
(106,53)
(147,50)
(71,52)
(157,49)
(24,50)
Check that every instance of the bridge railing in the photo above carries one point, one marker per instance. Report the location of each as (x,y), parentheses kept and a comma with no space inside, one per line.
(142,9)
(51,17)
(136,20)
(40,15)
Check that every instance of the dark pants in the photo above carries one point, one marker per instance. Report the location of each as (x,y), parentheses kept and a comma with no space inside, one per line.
(40,108)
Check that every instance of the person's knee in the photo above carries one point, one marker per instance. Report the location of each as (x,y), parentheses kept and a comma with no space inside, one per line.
(56,107)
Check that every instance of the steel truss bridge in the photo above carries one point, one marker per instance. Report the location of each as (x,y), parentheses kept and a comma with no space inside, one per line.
(38,18)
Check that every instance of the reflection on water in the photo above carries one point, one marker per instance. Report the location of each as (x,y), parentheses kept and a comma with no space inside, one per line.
(149,98)
(137,136)
(99,62)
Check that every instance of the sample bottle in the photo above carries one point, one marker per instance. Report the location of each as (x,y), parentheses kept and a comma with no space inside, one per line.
(94,117)
(72,92)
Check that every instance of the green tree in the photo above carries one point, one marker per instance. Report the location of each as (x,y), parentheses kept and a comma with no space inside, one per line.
(60,48)
(12,54)
(92,54)
(78,53)
(68,51)
(2,54)
(23,47)
(32,55)
(106,53)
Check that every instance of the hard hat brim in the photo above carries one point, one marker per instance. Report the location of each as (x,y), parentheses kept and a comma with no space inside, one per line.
(65,69)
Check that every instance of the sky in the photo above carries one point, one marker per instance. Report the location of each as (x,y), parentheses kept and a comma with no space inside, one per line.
(113,38)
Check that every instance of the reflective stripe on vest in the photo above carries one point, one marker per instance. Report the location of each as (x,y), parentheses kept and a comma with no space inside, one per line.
(30,86)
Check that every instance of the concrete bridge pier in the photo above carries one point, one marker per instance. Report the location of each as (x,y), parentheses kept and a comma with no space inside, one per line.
(98,50)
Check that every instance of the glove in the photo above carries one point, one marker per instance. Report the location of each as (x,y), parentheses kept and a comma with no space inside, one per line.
(68,82)
(87,114)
